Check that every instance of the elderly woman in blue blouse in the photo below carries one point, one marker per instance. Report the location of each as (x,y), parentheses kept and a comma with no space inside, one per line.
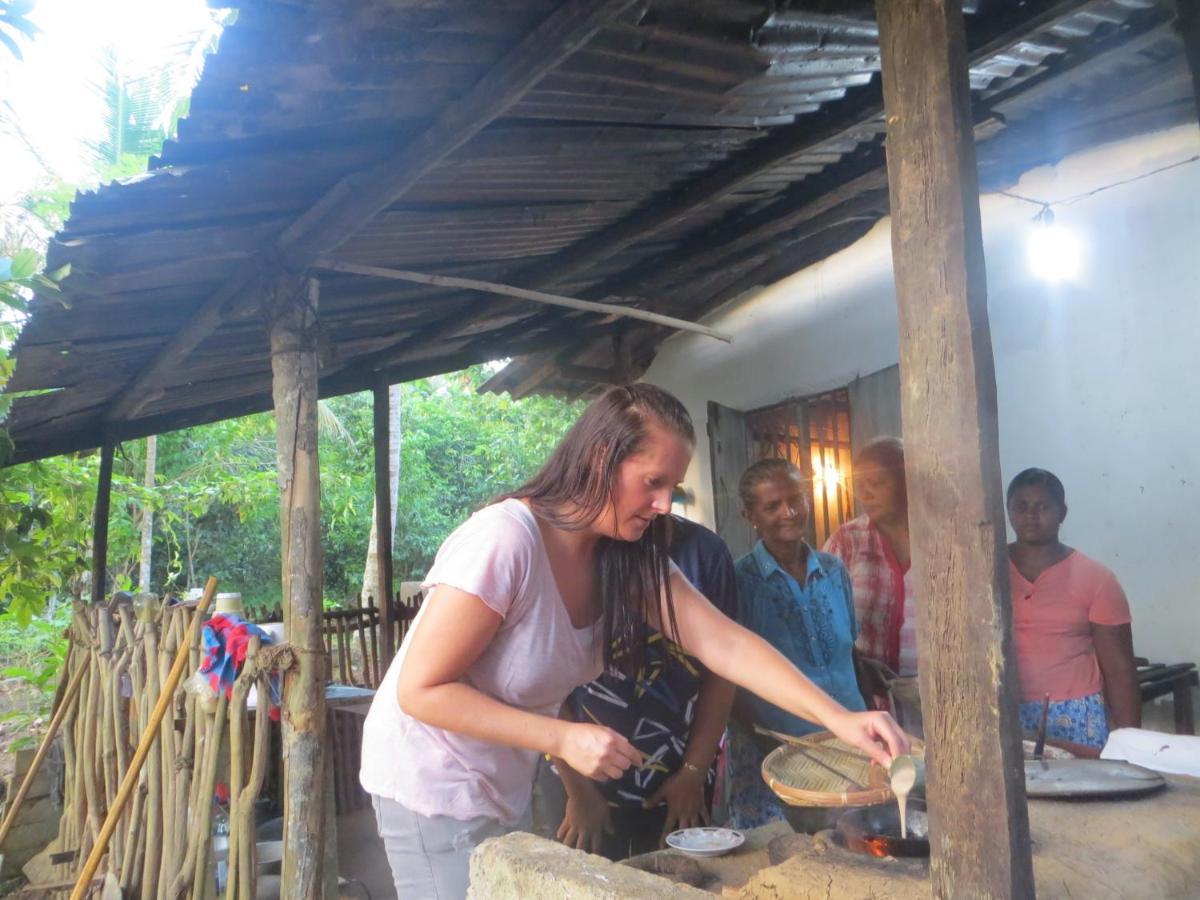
(800,600)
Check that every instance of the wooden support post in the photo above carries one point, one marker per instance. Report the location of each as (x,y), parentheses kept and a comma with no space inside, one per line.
(383,524)
(100,524)
(292,311)
(979,822)
(622,345)
(1187,17)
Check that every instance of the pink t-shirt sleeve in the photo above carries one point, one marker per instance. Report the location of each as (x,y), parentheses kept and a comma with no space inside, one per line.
(1109,605)
(489,555)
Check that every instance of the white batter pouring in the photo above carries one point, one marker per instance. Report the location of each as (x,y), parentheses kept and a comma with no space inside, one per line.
(903,772)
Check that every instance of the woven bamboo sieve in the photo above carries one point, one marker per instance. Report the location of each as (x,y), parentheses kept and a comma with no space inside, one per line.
(822,770)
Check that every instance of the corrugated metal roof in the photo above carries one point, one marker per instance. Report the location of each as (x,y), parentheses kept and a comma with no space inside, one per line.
(635,168)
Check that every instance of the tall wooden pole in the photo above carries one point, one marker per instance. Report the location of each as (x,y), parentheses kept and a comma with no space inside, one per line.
(292,313)
(1187,17)
(383,523)
(979,822)
(100,524)
(148,517)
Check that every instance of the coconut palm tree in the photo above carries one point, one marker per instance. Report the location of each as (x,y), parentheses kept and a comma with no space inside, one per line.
(143,102)
(15,24)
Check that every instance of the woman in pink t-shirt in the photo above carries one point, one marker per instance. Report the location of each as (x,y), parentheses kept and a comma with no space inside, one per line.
(528,598)
(1071,624)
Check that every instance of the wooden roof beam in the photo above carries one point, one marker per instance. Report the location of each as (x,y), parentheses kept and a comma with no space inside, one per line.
(786,144)
(348,381)
(1187,17)
(807,200)
(356,199)
(505,290)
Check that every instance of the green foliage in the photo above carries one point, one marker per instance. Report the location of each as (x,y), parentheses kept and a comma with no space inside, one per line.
(34,653)
(45,527)
(216,499)
(459,450)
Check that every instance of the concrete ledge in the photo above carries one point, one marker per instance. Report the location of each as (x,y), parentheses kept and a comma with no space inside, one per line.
(525,867)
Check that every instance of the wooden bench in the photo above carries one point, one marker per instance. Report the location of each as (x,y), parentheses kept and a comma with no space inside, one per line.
(1158,680)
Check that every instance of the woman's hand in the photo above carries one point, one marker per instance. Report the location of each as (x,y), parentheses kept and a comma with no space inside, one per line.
(586,819)
(875,733)
(683,792)
(597,752)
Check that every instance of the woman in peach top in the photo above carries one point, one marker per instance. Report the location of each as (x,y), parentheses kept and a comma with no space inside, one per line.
(1071,622)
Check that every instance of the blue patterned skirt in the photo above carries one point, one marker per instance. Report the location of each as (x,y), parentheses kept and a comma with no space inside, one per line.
(751,803)
(1080,721)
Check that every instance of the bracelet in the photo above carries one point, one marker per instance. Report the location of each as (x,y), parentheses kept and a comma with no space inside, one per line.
(694,769)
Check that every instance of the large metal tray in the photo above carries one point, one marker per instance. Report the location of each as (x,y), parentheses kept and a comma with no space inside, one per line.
(1088,778)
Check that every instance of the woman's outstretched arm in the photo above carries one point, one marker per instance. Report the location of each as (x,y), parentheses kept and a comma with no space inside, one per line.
(741,656)
(454,629)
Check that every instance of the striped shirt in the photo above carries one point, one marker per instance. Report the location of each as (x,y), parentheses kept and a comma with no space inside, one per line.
(883,597)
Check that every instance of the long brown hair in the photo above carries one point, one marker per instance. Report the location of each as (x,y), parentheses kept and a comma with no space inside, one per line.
(577,485)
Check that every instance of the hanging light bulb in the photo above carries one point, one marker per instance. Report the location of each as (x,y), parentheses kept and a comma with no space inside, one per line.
(1055,253)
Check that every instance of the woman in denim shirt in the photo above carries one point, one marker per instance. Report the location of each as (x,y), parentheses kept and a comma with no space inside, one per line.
(799,599)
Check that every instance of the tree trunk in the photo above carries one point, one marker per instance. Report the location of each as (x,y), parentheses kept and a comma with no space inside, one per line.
(292,310)
(370,582)
(978,820)
(148,517)
(99,579)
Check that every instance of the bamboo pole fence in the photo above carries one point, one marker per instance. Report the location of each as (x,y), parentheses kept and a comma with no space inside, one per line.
(159,842)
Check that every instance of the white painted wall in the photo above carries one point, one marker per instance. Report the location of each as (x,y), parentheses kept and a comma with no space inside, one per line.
(1098,379)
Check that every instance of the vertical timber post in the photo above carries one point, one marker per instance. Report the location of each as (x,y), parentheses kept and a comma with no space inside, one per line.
(979,821)
(100,524)
(383,523)
(1187,19)
(623,358)
(292,317)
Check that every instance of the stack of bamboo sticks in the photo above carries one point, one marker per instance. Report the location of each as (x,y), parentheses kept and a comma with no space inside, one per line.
(161,848)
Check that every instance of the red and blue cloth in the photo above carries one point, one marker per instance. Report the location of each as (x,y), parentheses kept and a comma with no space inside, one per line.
(226,640)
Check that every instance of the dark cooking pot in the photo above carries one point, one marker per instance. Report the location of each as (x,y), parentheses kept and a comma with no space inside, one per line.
(875,830)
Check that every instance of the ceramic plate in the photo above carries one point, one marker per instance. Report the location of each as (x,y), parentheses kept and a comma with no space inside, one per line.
(705,841)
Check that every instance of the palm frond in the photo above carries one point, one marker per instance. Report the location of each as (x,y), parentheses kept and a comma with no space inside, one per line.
(330,425)
(143,104)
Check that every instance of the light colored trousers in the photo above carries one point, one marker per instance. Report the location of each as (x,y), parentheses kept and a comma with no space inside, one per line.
(430,855)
